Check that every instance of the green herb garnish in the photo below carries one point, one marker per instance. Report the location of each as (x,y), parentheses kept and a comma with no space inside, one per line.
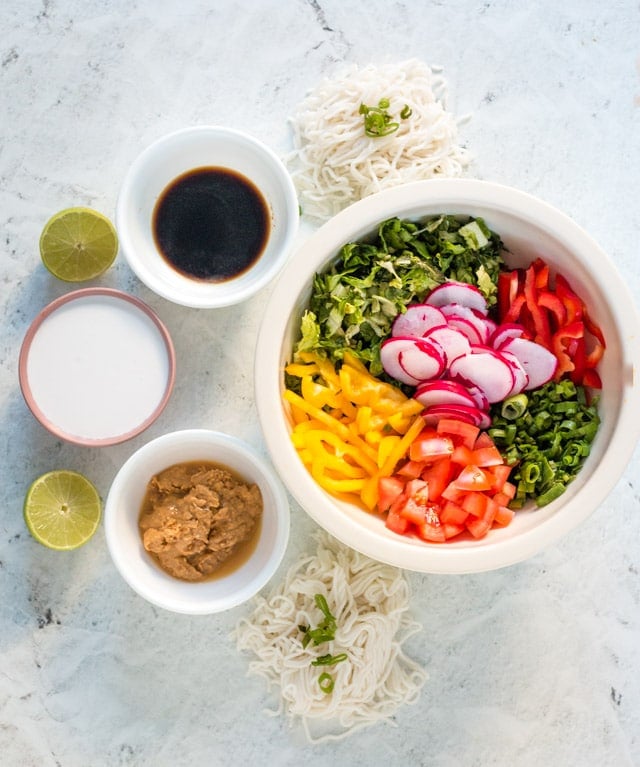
(324,632)
(377,120)
(329,660)
(326,683)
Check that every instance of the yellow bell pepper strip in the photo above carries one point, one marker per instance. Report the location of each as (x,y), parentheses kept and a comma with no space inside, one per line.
(333,424)
(317,440)
(401,449)
(348,426)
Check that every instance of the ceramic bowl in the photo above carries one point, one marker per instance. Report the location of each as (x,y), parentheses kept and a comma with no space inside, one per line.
(97,366)
(529,227)
(135,564)
(169,158)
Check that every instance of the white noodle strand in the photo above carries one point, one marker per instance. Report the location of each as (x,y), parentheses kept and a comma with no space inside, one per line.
(370,602)
(334,163)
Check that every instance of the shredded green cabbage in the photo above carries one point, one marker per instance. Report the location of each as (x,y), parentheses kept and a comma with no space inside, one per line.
(355,301)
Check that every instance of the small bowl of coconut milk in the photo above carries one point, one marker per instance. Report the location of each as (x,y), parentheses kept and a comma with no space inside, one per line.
(96,366)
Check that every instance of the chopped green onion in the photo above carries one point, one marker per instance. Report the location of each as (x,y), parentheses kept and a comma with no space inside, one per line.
(548,442)
(326,683)
(555,491)
(325,631)
(378,122)
(514,407)
(329,660)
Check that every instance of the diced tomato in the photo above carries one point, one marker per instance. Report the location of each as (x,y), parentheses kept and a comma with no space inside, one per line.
(396,523)
(475,504)
(472,478)
(486,456)
(462,455)
(389,488)
(453,493)
(453,514)
(478,527)
(437,475)
(451,531)
(455,480)
(504,515)
(509,489)
(411,469)
(464,433)
(483,440)
(417,489)
(500,476)
(431,529)
(428,447)
(413,511)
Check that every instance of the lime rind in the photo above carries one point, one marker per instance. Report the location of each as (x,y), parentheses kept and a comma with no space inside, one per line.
(62,510)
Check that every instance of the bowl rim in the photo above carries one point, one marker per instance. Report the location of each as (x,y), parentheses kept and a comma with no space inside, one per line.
(230,292)
(25,349)
(196,605)
(358,220)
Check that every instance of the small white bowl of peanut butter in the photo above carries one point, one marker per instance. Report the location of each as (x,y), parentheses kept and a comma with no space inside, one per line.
(196,521)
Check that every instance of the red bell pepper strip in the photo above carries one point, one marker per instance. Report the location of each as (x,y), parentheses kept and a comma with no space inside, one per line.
(542,274)
(508,289)
(591,378)
(560,346)
(542,333)
(573,303)
(557,311)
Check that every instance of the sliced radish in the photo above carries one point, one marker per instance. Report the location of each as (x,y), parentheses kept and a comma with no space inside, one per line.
(411,360)
(491,328)
(390,359)
(417,320)
(486,369)
(465,326)
(539,363)
(472,415)
(453,292)
(453,342)
(505,332)
(443,392)
(474,317)
(479,397)
(422,360)
(520,375)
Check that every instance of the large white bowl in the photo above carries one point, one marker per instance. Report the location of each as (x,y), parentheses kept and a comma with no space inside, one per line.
(124,502)
(175,154)
(529,228)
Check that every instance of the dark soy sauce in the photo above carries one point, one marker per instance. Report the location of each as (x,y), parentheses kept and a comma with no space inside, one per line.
(211,224)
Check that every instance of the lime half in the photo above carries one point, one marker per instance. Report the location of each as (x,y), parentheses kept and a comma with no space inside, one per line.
(78,244)
(62,510)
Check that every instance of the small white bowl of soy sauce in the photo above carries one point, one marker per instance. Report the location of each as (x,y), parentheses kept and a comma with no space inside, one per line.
(207,216)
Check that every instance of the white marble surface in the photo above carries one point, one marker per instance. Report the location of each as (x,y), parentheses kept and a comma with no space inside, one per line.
(535,664)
